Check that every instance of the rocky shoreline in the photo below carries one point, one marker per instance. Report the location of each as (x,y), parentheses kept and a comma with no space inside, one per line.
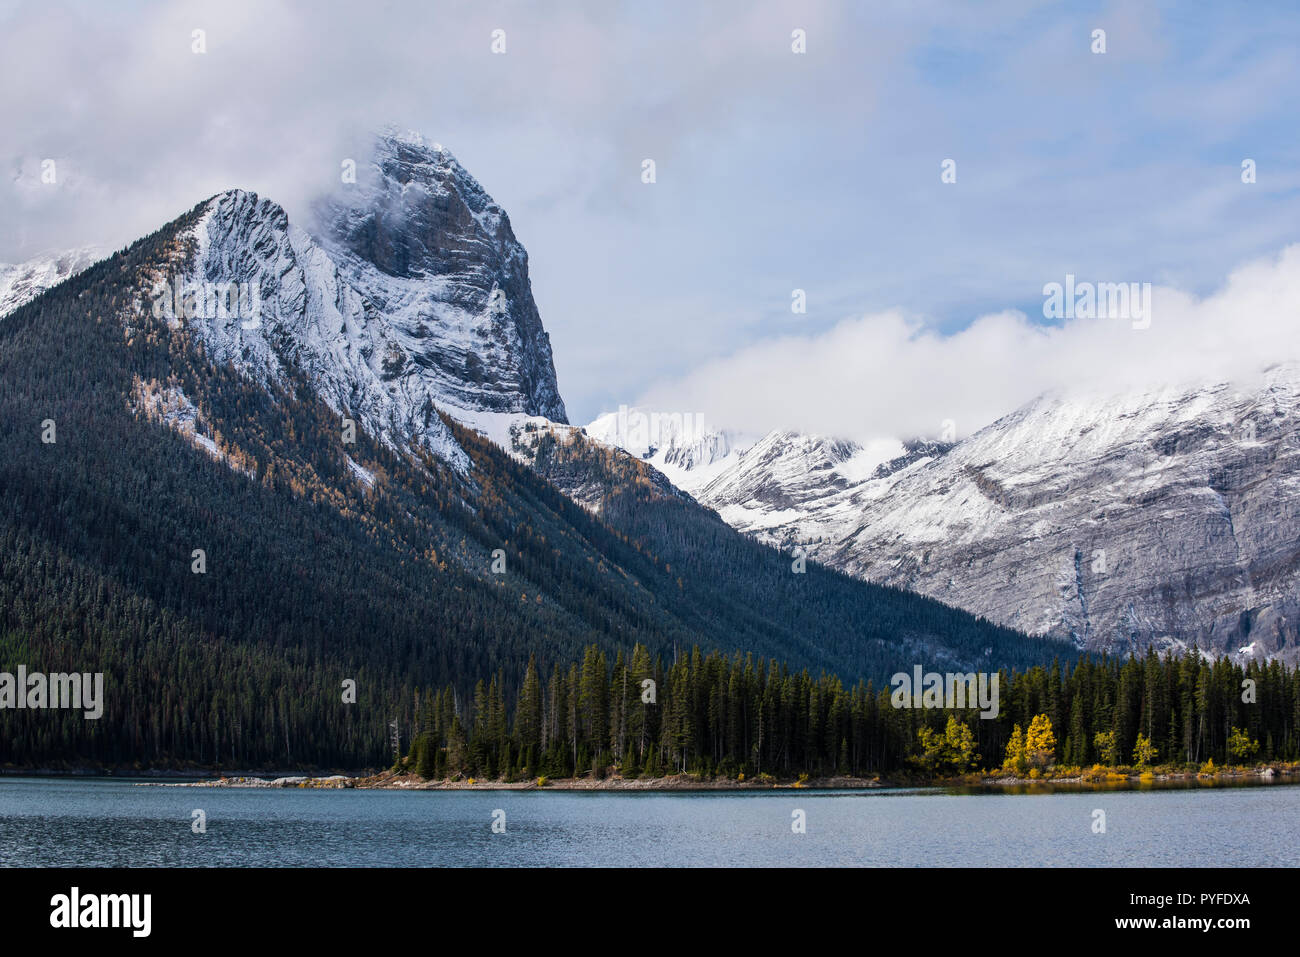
(411,782)
(1095,777)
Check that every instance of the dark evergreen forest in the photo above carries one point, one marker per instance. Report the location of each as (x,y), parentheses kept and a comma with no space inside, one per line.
(719,715)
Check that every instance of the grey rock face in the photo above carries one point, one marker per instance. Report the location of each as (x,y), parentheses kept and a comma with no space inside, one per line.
(309,317)
(913,451)
(412,299)
(420,239)
(1167,518)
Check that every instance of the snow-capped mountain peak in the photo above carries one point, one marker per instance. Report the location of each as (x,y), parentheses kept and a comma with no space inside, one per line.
(422,241)
(293,307)
(415,299)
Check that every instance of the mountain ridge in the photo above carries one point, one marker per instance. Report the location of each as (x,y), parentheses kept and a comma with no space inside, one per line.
(1160,517)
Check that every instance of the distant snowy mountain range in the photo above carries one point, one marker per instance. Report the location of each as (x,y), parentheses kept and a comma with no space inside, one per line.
(1165,517)
(683,447)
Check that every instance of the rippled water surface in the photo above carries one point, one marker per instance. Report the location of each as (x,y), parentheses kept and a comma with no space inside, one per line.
(106,821)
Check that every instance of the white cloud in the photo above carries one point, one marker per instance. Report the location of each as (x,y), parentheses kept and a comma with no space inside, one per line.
(886,375)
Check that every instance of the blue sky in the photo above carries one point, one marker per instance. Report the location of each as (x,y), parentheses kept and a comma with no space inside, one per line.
(775,171)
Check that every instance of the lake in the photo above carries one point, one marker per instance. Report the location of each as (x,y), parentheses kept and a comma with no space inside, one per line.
(114,821)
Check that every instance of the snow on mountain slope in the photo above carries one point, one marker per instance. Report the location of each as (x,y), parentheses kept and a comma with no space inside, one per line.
(1165,517)
(22,282)
(305,313)
(167,404)
(418,238)
(787,475)
(416,299)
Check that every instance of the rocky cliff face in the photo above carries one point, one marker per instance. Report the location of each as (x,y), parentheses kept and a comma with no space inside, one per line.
(415,299)
(419,238)
(298,309)
(1166,518)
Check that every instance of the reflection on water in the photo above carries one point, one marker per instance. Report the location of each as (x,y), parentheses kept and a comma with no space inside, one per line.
(1137,784)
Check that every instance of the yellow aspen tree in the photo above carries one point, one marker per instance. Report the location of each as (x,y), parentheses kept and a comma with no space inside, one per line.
(1040,742)
(1015,758)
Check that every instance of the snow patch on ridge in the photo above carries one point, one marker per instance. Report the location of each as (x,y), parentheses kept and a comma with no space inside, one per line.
(361,474)
(169,405)
(20,283)
(515,432)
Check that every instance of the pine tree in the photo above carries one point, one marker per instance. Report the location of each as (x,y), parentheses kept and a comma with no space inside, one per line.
(424,763)
(528,719)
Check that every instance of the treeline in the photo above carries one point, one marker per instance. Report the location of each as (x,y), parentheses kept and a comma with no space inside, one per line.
(718,715)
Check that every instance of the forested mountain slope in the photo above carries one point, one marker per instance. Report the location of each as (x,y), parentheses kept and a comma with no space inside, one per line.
(210,533)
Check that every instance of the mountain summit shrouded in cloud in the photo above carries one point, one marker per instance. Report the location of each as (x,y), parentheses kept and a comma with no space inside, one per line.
(430,249)
(416,298)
